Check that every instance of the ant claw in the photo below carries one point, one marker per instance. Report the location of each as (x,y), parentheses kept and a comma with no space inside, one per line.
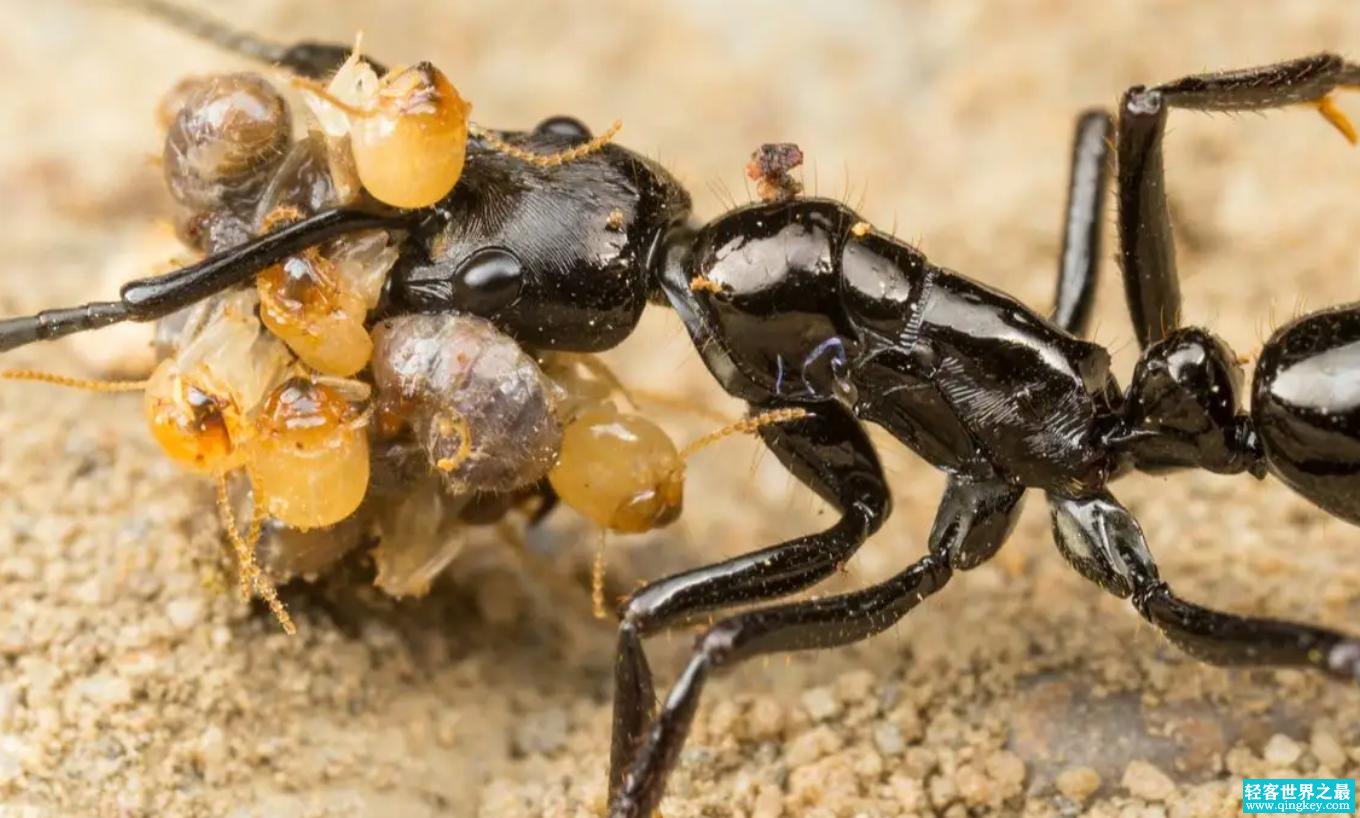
(1338,119)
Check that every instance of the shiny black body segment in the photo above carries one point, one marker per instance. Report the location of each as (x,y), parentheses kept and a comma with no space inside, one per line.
(801,303)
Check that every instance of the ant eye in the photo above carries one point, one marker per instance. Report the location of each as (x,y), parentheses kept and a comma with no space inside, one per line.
(568,126)
(488,281)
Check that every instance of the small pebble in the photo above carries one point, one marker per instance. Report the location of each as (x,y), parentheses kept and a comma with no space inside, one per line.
(1007,770)
(769,804)
(105,689)
(1146,781)
(820,704)
(542,733)
(888,739)
(1282,750)
(1078,783)
(1328,749)
(812,745)
(185,612)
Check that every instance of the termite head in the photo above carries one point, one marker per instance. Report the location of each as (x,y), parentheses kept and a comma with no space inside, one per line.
(191,420)
(309,460)
(407,131)
(620,470)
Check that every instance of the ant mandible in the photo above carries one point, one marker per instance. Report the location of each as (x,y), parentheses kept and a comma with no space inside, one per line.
(798,303)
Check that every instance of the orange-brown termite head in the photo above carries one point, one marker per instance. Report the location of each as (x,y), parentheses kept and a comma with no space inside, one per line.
(406,132)
(619,470)
(308,460)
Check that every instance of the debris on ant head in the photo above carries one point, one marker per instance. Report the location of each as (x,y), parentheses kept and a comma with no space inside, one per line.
(769,169)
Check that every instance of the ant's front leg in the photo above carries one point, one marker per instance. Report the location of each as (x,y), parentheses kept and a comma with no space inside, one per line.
(1105,544)
(827,451)
(972,523)
(152,298)
(831,454)
(1147,248)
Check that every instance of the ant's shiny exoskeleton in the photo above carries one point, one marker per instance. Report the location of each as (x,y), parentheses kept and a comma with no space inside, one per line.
(799,304)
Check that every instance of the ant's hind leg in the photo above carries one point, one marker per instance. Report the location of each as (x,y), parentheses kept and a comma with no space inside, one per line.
(151,298)
(1147,249)
(1082,222)
(1104,543)
(827,451)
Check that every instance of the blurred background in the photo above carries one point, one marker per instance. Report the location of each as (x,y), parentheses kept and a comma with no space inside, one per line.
(134,683)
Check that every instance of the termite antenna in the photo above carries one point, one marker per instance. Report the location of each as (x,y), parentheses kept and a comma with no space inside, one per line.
(597,571)
(745,426)
(88,384)
(211,31)
(545,160)
(251,577)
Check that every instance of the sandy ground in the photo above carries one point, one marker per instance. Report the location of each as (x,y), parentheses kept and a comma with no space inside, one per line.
(132,682)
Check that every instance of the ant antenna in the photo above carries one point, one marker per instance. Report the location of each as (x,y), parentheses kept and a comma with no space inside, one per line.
(211,31)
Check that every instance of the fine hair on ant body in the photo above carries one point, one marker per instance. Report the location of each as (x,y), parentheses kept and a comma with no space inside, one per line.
(797,306)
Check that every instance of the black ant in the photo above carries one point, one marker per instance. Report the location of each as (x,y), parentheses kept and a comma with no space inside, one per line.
(798,304)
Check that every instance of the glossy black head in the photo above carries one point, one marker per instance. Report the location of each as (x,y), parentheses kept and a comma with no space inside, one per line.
(1181,409)
(1306,408)
(556,257)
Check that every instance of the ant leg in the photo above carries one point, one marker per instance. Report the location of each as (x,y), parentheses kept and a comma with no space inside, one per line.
(1082,226)
(151,298)
(1147,249)
(1104,543)
(829,452)
(973,521)
(823,623)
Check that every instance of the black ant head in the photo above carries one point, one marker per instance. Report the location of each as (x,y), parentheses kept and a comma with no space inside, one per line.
(555,256)
(1181,410)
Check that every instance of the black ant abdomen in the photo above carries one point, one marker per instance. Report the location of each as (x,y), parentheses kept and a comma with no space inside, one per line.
(1306,408)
